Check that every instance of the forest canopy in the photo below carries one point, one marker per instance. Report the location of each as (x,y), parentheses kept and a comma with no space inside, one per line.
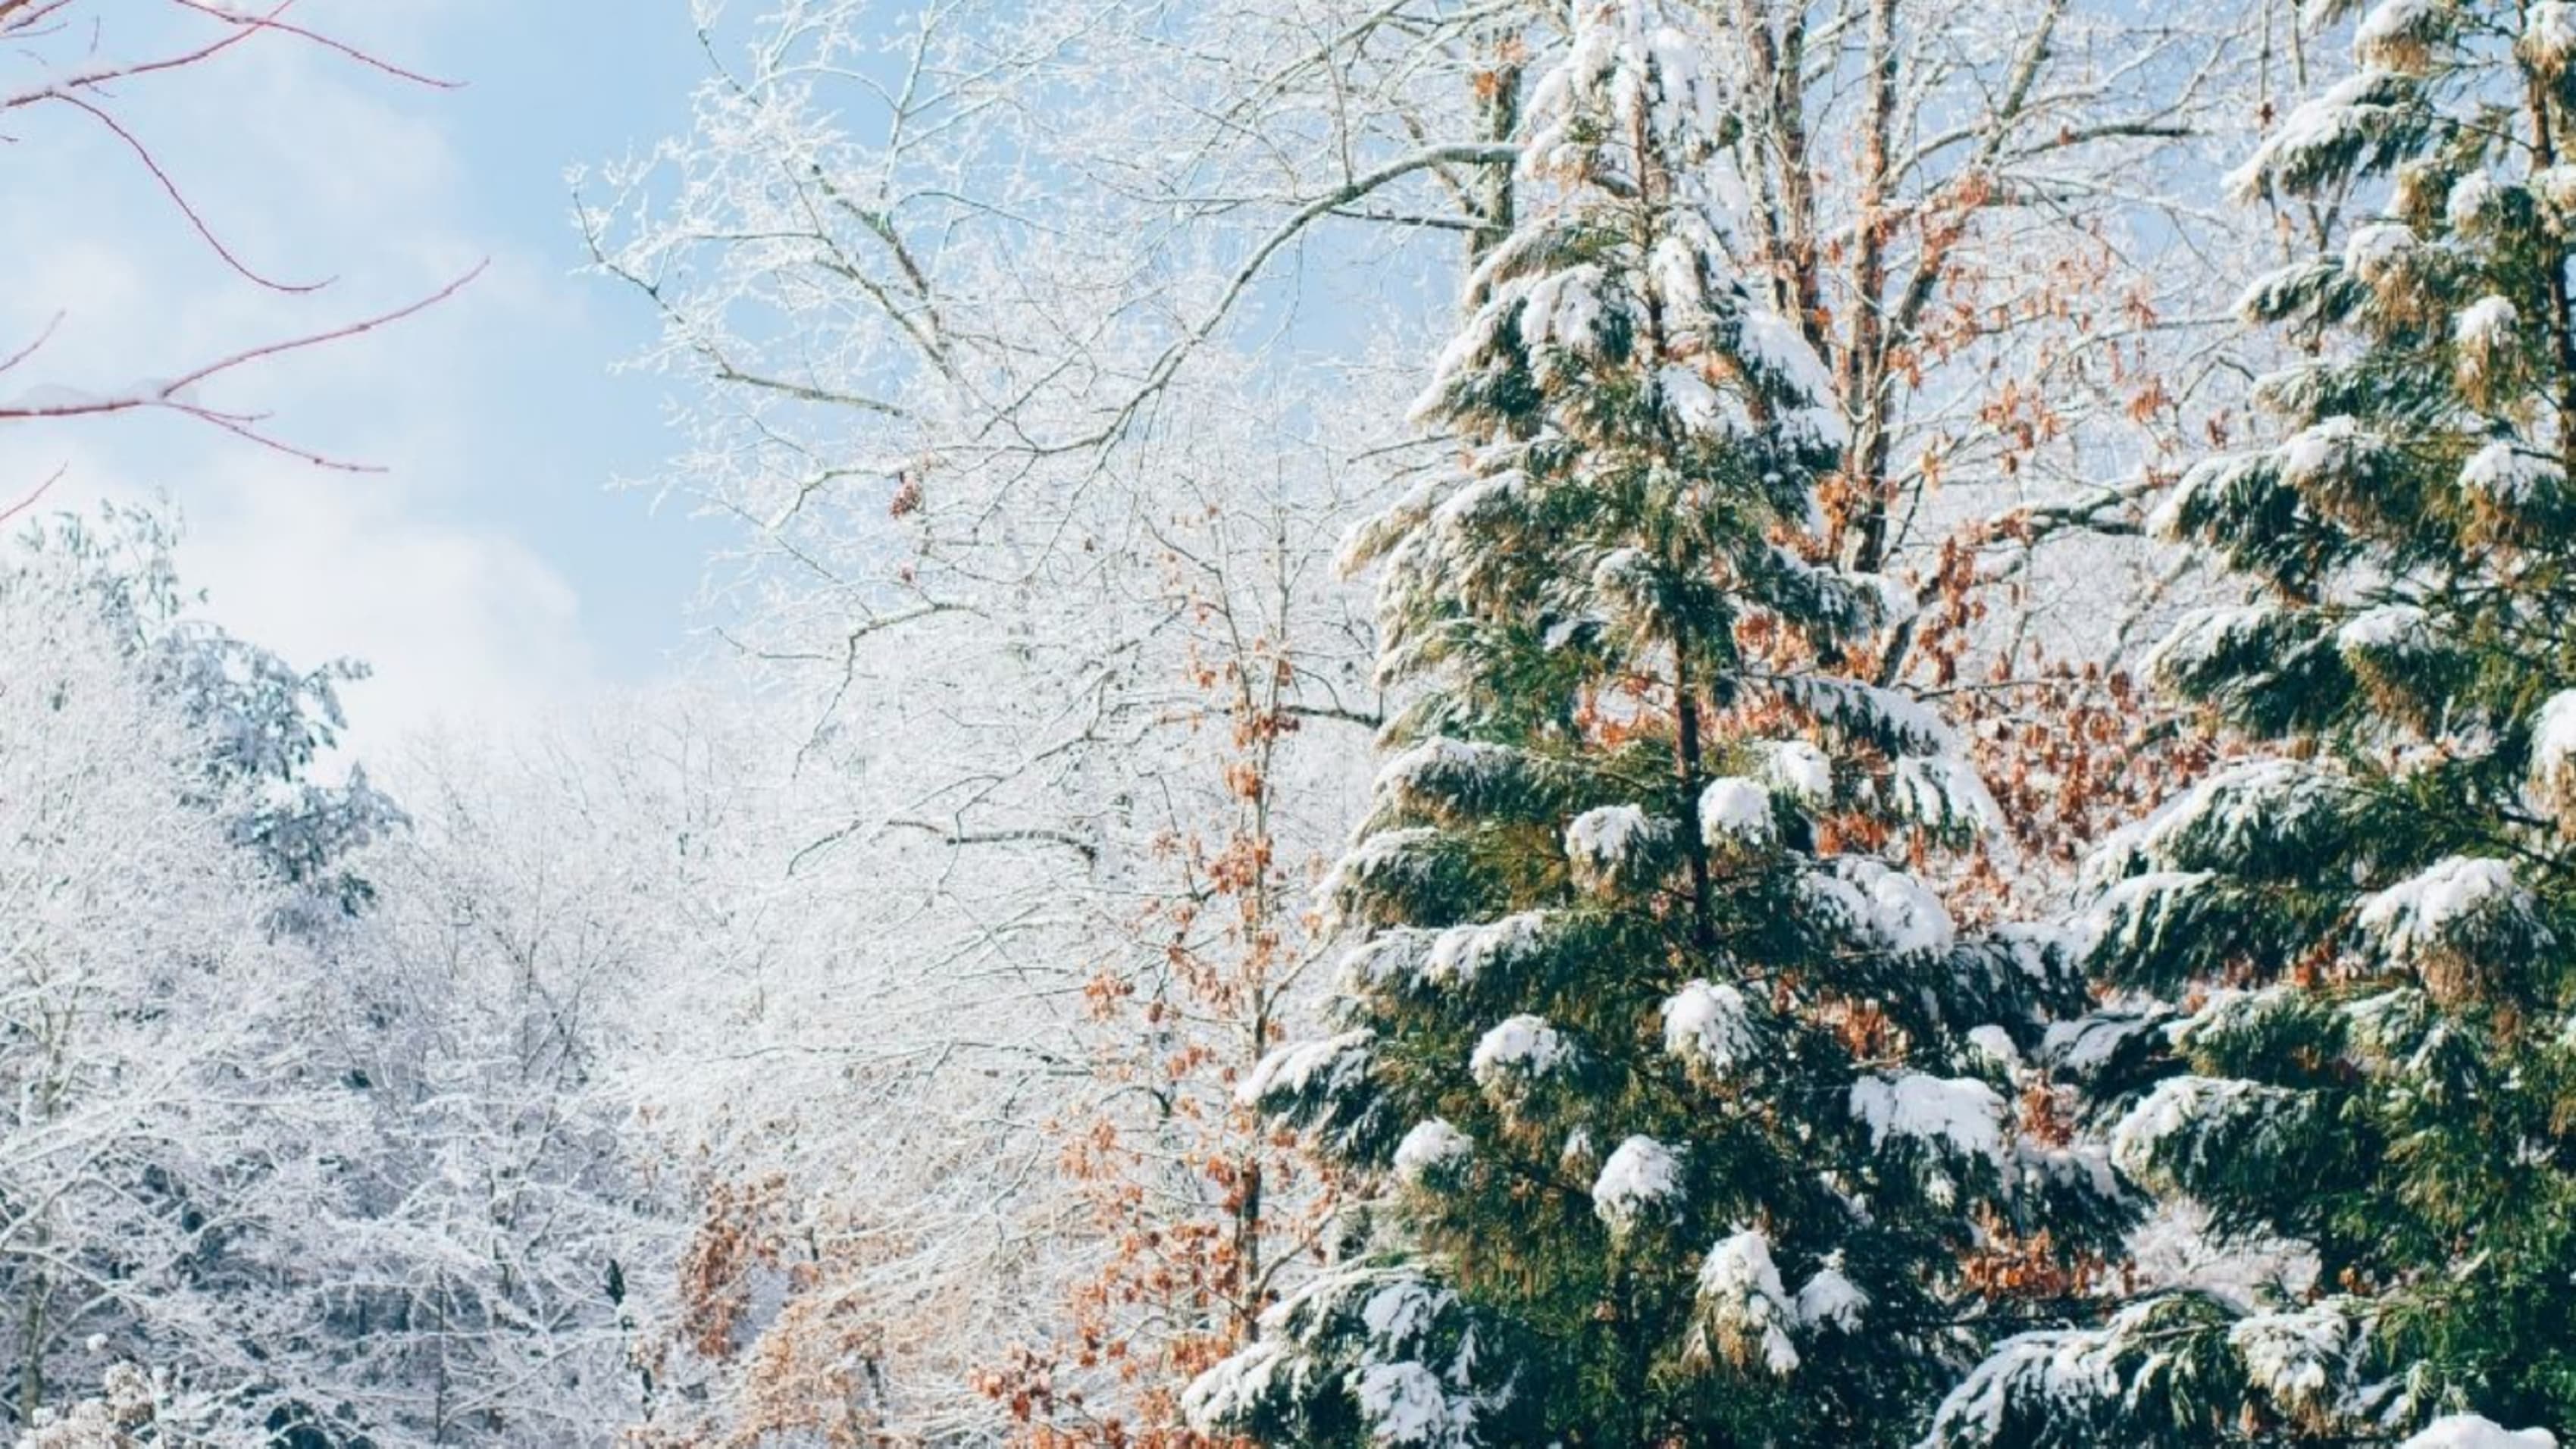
(1633,723)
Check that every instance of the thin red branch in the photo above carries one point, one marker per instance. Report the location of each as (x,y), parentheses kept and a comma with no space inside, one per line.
(341,47)
(242,428)
(243,25)
(29,501)
(45,335)
(179,198)
(81,80)
(169,396)
(92,80)
(78,89)
(298,344)
(19,16)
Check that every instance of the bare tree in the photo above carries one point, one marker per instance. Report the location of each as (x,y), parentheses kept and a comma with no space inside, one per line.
(154,1140)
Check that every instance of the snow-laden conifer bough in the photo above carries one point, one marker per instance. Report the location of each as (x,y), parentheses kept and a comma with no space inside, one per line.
(2345,963)
(1686,1113)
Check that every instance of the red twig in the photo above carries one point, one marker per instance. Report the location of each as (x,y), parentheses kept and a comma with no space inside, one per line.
(77,78)
(179,198)
(298,344)
(342,47)
(85,90)
(29,501)
(17,17)
(42,337)
(170,396)
(96,79)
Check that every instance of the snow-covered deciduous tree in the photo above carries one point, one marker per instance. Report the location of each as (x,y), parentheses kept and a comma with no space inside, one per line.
(2346,1041)
(163,1144)
(1995,223)
(1689,1104)
(828,1162)
(477,1273)
(307,1132)
(1015,559)
(1972,213)
(1201,1210)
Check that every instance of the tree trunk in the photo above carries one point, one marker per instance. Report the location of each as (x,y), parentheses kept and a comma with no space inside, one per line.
(1865,358)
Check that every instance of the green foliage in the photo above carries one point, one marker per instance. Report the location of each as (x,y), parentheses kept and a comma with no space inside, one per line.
(262,723)
(2362,944)
(1666,1084)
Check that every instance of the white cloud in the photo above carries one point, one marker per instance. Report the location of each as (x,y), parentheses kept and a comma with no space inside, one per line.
(465,627)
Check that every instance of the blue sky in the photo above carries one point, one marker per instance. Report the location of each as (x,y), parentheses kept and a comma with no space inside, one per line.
(490,571)
(550,84)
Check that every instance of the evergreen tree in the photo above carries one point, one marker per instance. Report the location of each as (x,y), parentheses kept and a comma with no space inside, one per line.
(266,723)
(2348,961)
(1690,1106)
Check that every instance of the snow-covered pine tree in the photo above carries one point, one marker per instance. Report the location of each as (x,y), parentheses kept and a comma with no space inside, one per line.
(266,723)
(1688,1106)
(2354,1050)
